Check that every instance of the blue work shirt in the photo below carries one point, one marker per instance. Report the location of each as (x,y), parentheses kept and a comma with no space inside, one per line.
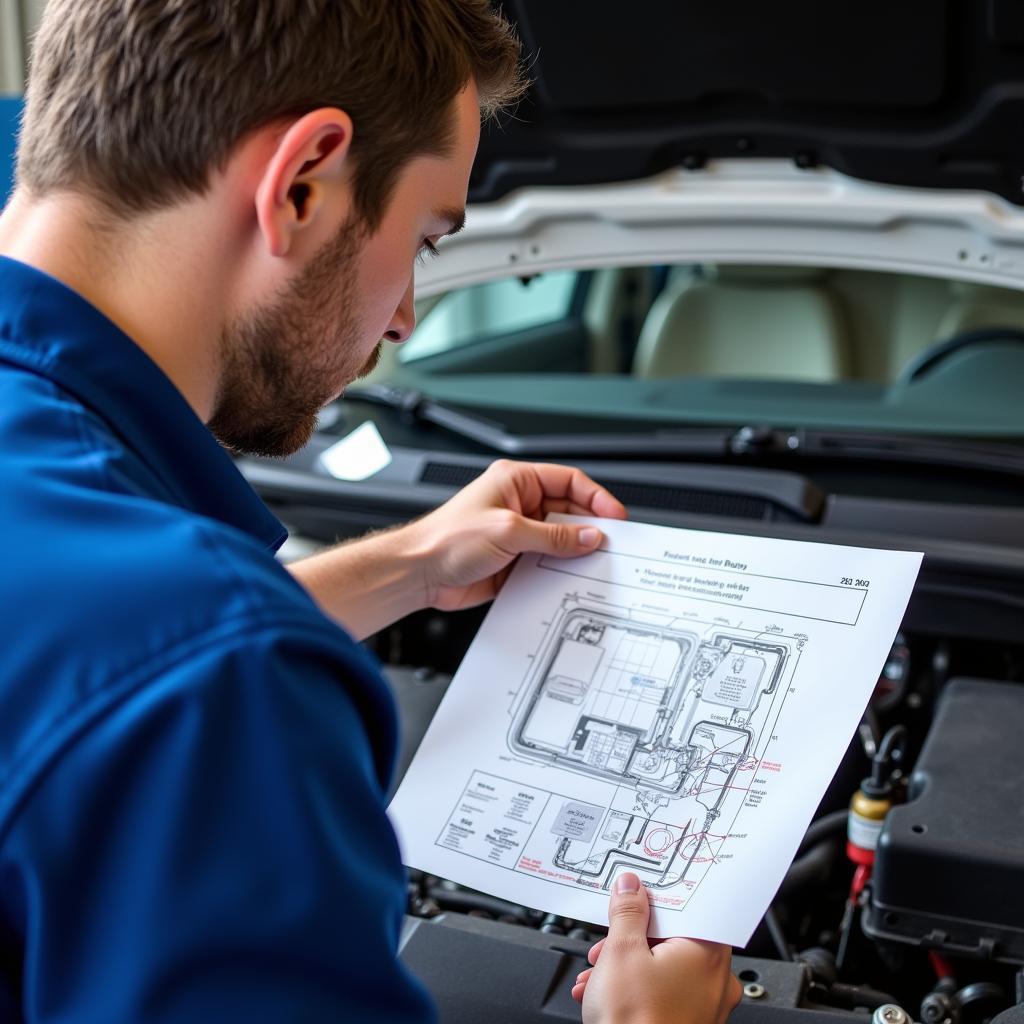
(193,758)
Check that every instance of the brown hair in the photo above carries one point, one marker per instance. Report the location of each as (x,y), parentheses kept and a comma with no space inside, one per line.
(137,102)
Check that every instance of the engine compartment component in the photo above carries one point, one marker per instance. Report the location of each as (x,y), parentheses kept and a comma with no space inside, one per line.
(949,868)
(450,952)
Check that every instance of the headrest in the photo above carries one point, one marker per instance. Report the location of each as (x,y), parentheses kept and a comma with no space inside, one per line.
(742,274)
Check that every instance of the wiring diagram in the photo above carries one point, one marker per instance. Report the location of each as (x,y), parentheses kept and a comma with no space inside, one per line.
(671,714)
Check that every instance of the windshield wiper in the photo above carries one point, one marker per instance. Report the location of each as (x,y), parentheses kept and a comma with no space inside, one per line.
(417,407)
(700,442)
(947,452)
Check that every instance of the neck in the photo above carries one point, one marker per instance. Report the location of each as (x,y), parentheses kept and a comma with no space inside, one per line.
(149,278)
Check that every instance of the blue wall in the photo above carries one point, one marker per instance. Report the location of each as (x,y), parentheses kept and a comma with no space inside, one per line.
(10,108)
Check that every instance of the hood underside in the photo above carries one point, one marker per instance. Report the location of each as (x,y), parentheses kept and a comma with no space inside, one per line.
(764,212)
(922,93)
(874,135)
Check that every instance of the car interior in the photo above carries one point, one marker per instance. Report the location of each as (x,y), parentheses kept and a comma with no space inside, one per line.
(811,324)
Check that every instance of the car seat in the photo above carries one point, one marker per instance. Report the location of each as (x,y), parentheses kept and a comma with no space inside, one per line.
(975,306)
(760,322)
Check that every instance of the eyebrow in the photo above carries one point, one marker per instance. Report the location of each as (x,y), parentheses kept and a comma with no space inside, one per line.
(455,216)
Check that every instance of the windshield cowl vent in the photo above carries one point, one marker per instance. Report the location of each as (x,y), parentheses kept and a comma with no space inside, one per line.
(638,495)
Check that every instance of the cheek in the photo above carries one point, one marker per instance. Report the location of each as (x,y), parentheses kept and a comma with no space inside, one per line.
(384,276)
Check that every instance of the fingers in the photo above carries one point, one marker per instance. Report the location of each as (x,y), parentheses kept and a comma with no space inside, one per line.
(548,481)
(564,540)
(595,950)
(732,998)
(581,984)
(635,978)
(713,956)
(550,505)
(710,961)
(629,914)
(574,484)
(732,995)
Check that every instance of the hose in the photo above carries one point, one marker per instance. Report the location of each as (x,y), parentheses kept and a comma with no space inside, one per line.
(861,995)
(813,866)
(771,921)
(826,827)
(460,900)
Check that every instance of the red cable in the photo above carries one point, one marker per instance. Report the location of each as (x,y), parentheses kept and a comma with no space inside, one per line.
(942,967)
(861,877)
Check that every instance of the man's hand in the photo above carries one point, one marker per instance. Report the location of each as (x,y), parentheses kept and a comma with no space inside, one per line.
(471,542)
(677,981)
(459,555)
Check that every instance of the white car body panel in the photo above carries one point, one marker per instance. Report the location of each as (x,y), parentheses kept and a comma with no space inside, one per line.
(765,212)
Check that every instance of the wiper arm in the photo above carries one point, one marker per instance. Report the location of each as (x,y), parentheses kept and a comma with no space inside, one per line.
(751,442)
(948,452)
(419,408)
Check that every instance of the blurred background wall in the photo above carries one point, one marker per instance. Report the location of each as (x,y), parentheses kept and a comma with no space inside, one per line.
(18,19)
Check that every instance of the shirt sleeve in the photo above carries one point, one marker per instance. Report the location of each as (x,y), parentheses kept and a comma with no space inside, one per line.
(215,847)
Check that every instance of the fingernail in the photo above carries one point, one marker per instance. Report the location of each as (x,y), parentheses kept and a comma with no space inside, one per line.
(627,883)
(588,537)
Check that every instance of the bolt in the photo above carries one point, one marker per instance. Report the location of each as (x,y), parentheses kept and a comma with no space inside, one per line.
(426,908)
(890,1013)
(940,1005)
(753,990)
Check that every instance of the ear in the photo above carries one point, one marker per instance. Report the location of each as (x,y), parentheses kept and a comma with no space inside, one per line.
(306,168)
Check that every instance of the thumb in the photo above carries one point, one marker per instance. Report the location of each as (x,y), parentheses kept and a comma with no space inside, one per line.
(563,540)
(629,912)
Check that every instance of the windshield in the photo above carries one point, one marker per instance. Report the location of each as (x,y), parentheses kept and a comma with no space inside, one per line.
(703,344)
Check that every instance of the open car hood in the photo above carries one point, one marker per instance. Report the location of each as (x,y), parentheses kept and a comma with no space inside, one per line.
(875,136)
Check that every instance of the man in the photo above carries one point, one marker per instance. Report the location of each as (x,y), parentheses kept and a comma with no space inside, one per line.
(217,212)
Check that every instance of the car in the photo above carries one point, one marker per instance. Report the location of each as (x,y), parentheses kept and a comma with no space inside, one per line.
(758,268)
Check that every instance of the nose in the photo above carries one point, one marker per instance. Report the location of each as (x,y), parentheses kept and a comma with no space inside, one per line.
(404,320)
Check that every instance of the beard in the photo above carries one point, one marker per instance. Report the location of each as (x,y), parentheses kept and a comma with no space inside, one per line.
(282,363)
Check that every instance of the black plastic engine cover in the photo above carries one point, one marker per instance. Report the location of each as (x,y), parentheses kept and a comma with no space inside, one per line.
(489,972)
(949,871)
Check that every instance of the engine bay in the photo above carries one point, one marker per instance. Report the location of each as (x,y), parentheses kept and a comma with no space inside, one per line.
(919,918)
(905,899)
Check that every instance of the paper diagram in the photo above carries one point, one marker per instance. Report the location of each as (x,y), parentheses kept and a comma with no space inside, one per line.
(673,704)
(671,716)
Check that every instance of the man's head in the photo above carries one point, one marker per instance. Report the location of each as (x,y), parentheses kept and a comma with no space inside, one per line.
(284,359)
(332,139)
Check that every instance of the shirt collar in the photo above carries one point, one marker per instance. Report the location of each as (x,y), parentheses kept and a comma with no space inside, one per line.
(50,329)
